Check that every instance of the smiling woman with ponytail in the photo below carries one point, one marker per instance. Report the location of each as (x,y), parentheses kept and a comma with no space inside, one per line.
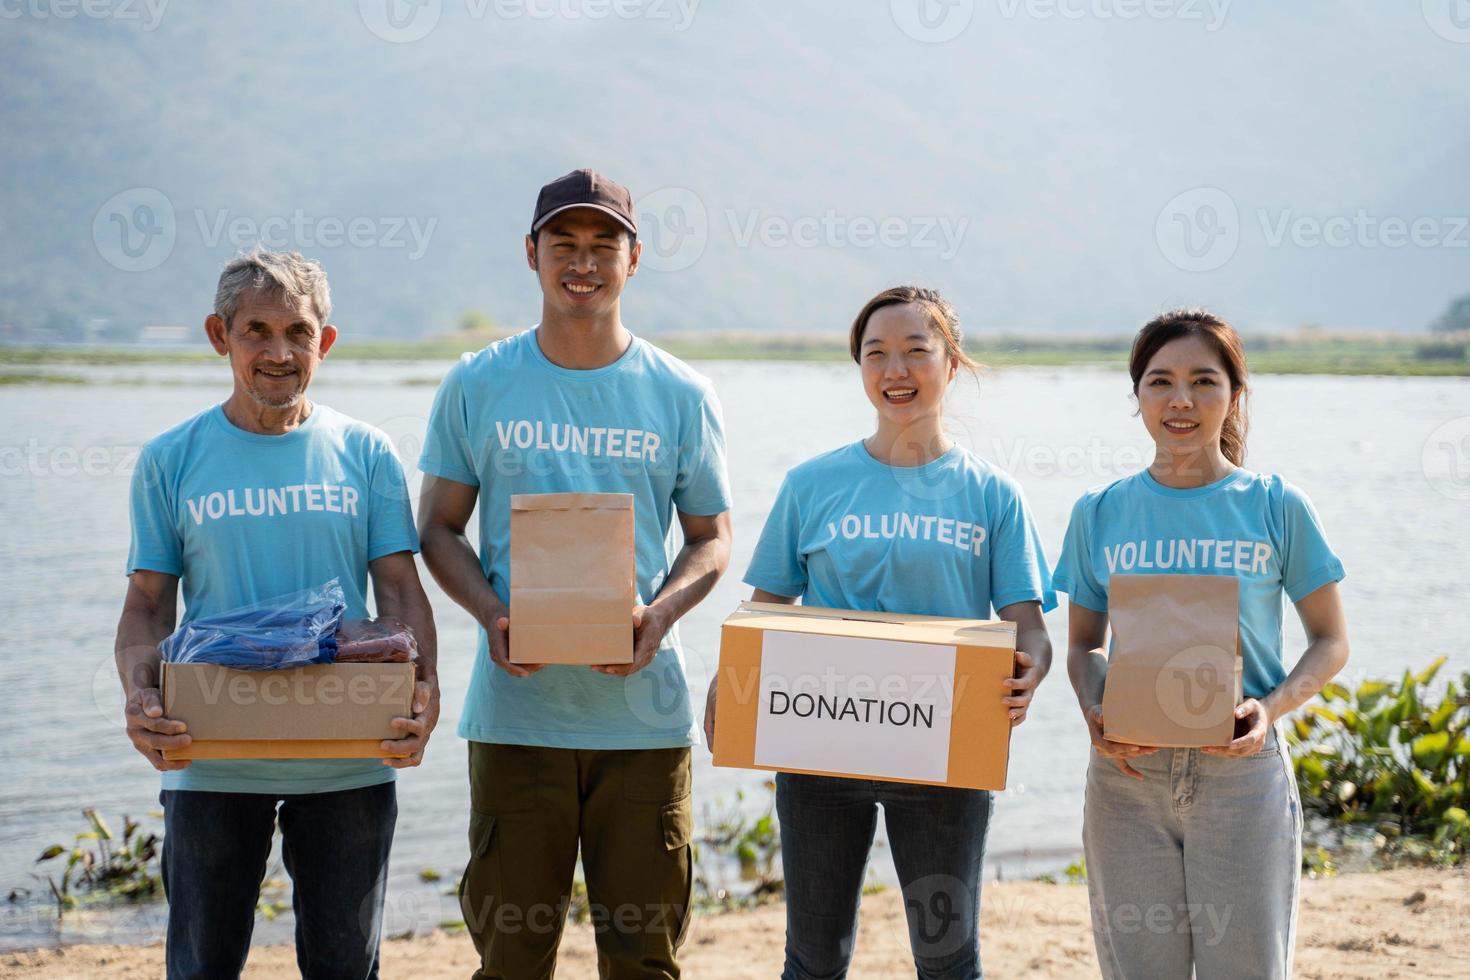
(1202,844)
(828,541)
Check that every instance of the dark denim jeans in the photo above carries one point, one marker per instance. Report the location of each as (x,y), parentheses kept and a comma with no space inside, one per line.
(937,836)
(335,848)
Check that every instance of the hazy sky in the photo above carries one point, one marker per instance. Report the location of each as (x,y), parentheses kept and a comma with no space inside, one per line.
(1051,164)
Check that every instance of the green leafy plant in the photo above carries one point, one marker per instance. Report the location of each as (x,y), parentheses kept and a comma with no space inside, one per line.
(1390,759)
(755,845)
(100,865)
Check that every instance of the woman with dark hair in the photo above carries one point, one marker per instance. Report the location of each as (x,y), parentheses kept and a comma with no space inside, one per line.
(902,521)
(1193,855)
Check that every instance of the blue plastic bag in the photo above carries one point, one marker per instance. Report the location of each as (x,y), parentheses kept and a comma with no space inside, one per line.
(286,631)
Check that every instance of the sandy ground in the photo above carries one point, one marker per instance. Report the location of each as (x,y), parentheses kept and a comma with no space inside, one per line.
(1391,924)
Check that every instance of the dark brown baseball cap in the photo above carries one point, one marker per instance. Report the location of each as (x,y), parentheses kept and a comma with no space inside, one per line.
(584,189)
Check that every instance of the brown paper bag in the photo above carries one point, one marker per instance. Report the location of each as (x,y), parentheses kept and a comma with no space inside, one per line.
(572,578)
(1174,670)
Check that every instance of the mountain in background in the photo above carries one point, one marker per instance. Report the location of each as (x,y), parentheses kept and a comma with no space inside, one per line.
(1054,166)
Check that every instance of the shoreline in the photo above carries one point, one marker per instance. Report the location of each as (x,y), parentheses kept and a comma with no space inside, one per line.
(1372,925)
(1370,355)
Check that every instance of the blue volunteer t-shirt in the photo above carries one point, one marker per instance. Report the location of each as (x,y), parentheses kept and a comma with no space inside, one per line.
(507,420)
(953,537)
(1256,527)
(241,517)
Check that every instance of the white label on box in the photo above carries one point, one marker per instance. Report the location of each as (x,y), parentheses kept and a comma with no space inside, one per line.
(855,705)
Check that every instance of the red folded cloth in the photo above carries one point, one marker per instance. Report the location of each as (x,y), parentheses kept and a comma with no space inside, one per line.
(385,640)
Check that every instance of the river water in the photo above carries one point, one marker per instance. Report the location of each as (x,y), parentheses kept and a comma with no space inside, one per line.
(1386,461)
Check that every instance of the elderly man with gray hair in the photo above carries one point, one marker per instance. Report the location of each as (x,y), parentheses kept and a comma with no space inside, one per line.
(336,815)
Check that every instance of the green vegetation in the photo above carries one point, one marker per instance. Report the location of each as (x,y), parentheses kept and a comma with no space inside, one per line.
(1308,351)
(99,867)
(1456,319)
(755,846)
(15,378)
(1386,763)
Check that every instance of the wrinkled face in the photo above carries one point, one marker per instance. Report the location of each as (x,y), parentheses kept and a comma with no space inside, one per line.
(275,344)
(583,258)
(906,369)
(1185,396)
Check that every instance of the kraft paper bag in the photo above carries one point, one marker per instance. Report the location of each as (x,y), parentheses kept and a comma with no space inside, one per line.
(1174,672)
(572,578)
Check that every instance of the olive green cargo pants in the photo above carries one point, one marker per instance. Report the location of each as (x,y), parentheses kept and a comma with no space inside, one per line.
(531,808)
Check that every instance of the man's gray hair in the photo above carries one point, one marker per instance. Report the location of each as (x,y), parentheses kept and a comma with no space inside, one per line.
(288,274)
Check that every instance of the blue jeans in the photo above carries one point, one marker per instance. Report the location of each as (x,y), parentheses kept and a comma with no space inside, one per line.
(937,836)
(335,848)
(1193,871)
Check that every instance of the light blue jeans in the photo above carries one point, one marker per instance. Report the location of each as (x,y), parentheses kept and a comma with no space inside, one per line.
(1193,871)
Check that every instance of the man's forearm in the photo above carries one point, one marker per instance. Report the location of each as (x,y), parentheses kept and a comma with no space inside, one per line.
(136,649)
(456,568)
(697,568)
(412,606)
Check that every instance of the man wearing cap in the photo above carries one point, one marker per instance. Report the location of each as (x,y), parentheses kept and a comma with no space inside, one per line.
(564,757)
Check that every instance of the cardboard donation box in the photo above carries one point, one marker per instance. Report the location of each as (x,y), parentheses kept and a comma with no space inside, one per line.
(1174,671)
(323,711)
(909,699)
(573,580)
